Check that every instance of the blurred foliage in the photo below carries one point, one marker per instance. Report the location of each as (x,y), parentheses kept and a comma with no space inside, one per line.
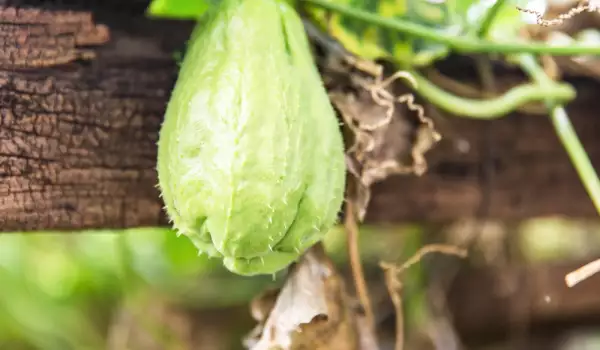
(59,291)
(62,291)
(452,17)
(557,238)
(65,291)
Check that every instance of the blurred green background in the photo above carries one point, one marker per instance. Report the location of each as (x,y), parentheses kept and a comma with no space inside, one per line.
(62,291)
(122,289)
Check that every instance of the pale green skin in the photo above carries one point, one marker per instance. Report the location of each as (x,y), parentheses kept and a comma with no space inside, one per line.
(250,156)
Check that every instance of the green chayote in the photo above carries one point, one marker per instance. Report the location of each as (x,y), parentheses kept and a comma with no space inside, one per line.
(250,155)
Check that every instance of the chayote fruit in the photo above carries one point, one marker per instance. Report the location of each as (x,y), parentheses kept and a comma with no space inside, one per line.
(250,156)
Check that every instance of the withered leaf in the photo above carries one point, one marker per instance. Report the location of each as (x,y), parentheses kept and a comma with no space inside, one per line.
(312,311)
(389,130)
(387,139)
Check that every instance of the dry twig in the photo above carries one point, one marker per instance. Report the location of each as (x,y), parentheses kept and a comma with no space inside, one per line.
(358,276)
(582,273)
(589,7)
(394,285)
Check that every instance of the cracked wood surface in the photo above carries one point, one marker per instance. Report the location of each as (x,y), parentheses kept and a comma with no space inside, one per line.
(82,95)
(80,106)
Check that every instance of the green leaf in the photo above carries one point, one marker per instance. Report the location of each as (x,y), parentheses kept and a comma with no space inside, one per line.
(181,9)
(372,42)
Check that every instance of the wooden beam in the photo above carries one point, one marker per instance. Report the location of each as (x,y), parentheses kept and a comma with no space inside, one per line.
(80,114)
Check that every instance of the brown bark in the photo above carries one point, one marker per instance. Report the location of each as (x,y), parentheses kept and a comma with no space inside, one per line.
(80,107)
(81,102)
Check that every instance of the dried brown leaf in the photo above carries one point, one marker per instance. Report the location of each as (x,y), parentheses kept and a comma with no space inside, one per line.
(391,133)
(389,130)
(312,311)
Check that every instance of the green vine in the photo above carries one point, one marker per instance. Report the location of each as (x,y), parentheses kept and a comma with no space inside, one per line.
(491,108)
(565,131)
(544,89)
(488,19)
(464,44)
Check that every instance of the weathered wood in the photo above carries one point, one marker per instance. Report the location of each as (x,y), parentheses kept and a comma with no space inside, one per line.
(80,107)
(532,174)
(80,113)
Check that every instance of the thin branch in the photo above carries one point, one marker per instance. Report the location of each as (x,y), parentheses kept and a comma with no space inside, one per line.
(582,273)
(566,133)
(561,18)
(394,285)
(358,275)
(432,248)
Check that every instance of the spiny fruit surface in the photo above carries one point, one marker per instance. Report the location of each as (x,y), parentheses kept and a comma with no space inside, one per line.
(250,155)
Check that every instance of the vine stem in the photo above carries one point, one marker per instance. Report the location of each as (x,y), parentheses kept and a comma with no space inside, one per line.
(488,19)
(566,132)
(488,108)
(393,283)
(457,43)
(576,152)
(491,108)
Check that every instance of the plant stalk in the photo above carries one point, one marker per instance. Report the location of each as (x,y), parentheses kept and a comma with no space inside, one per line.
(566,132)
(470,44)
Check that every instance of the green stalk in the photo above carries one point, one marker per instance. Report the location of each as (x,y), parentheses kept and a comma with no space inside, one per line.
(491,108)
(457,43)
(566,132)
(490,15)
